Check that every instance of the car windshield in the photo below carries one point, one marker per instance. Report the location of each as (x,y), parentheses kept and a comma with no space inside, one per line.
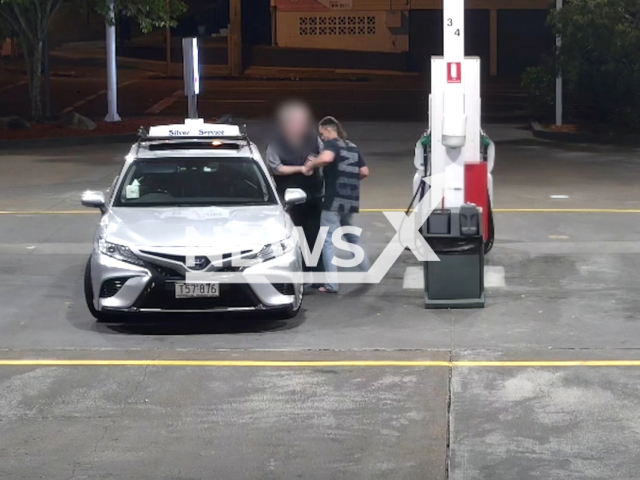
(194,182)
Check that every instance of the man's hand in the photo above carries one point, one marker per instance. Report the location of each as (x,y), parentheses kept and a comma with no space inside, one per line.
(307,169)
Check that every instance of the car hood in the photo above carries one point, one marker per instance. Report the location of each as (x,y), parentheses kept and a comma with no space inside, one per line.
(196,226)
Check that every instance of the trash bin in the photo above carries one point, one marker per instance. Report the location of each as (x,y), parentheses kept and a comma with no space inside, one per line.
(457,280)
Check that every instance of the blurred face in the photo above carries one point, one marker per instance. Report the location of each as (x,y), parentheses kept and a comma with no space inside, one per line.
(295,123)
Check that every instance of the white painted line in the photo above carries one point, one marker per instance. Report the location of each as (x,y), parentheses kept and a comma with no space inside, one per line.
(92,97)
(575,248)
(494,277)
(413,278)
(45,249)
(126,83)
(165,102)
(204,100)
(559,197)
(296,86)
(17,84)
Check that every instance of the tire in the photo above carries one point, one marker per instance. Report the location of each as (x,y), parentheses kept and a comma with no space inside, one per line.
(88,297)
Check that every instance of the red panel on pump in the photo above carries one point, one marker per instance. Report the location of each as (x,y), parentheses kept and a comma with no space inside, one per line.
(454,72)
(476,190)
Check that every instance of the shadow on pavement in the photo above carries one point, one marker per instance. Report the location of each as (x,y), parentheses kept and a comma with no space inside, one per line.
(200,325)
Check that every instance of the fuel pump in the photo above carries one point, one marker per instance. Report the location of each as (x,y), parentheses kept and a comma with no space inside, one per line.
(460,228)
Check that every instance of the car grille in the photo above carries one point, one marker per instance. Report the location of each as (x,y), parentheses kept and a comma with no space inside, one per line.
(231,295)
(284,288)
(112,286)
(166,272)
(169,273)
(202,262)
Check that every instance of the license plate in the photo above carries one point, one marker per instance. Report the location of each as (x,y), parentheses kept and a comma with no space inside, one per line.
(195,290)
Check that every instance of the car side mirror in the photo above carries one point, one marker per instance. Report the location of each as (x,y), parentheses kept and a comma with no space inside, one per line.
(294,196)
(94,199)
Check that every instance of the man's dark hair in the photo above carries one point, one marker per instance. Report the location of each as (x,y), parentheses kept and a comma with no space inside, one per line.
(331,122)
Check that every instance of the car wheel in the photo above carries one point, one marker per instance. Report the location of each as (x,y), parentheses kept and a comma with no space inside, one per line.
(88,296)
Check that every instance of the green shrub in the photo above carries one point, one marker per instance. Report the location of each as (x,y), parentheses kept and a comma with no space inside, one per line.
(539,85)
(600,59)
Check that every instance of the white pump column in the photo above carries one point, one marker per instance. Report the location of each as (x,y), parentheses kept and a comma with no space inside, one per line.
(454,111)
(454,120)
(455,173)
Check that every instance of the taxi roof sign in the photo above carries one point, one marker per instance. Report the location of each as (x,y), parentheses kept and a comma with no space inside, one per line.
(195,128)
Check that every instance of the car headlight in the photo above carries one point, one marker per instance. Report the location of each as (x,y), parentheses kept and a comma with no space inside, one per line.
(273,250)
(119,252)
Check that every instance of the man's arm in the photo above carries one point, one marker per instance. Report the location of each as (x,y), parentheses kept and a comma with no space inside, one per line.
(364,170)
(276,166)
(289,170)
(325,158)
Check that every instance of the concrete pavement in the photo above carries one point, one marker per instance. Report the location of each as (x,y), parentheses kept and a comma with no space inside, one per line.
(569,294)
(544,423)
(151,423)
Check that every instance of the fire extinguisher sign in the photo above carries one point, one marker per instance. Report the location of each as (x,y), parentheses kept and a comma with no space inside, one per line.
(454,72)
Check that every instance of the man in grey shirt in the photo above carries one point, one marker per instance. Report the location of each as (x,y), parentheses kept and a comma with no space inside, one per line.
(289,149)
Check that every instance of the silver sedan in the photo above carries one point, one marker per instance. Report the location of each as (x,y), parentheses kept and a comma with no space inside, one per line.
(193,227)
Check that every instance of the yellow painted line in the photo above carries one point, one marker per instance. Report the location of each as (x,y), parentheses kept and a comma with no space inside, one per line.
(49,212)
(363,210)
(548,363)
(226,363)
(566,210)
(524,210)
(311,363)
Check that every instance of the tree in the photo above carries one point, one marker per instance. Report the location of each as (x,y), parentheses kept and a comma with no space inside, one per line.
(5,32)
(599,59)
(149,14)
(29,19)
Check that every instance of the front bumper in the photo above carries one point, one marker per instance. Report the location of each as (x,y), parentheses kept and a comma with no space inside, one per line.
(151,289)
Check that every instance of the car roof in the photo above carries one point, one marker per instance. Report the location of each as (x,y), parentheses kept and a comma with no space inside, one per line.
(189,148)
(194,139)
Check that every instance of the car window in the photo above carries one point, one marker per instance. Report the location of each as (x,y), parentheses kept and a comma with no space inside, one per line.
(194,181)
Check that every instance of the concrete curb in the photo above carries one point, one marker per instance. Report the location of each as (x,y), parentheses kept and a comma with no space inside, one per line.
(67,141)
(595,138)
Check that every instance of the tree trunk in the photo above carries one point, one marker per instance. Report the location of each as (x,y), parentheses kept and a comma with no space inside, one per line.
(33,59)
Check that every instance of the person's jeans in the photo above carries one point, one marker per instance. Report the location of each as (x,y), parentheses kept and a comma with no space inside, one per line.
(335,220)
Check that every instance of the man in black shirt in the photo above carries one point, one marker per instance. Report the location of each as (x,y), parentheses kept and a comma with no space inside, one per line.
(343,169)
